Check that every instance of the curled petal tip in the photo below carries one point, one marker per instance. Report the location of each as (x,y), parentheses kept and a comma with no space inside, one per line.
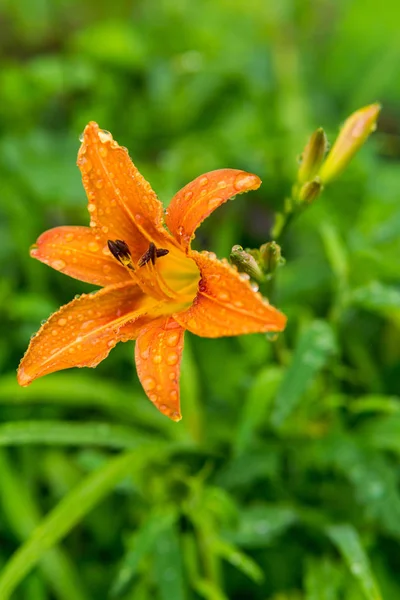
(246,182)
(23,378)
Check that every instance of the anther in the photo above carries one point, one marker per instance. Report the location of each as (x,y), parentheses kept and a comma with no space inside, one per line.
(152,254)
(120,250)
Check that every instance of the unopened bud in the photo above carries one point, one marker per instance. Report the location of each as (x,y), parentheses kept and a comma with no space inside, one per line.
(313,156)
(246,263)
(310,191)
(271,257)
(355,131)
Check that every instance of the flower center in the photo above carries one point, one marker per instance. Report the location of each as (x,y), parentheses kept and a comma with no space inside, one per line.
(175,279)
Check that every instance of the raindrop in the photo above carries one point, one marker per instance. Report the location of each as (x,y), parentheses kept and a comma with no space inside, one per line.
(203,180)
(172,339)
(149,384)
(245,181)
(105,136)
(93,246)
(91,207)
(69,237)
(103,151)
(254,287)
(172,358)
(62,321)
(58,264)
(223,296)
(82,136)
(157,359)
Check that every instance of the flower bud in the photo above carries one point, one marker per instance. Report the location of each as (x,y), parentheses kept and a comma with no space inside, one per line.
(313,156)
(310,191)
(352,136)
(246,263)
(271,257)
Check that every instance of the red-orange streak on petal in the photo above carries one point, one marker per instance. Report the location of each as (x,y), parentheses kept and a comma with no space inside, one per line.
(158,355)
(82,333)
(226,304)
(198,199)
(81,253)
(122,204)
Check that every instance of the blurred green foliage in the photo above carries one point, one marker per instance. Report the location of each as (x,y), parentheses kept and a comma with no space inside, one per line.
(282,480)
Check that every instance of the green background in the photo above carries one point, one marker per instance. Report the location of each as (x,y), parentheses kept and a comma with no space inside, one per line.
(282,480)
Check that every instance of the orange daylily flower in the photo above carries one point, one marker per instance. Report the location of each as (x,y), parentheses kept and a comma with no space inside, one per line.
(154,285)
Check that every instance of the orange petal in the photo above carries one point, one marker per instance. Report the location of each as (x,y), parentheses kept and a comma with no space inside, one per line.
(81,253)
(122,204)
(226,304)
(158,355)
(198,199)
(82,333)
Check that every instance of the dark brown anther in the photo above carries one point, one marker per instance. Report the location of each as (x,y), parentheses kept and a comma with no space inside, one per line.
(120,250)
(152,254)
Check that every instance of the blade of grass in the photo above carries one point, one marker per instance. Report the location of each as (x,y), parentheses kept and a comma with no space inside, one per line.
(62,519)
(348,542)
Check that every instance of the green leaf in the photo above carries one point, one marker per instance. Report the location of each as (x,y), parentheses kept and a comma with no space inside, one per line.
(382,433)
(69,434)
(168,566)
(238,559)
(140,544)
(259,398)
(72,508)
(322,580)
(314,348)
(260,525)
(376,297)
(348,542)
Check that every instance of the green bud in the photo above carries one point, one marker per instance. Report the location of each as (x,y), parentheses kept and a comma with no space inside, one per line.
(310,191)
(354,133)
(313,156)
(271,257)
(246,263)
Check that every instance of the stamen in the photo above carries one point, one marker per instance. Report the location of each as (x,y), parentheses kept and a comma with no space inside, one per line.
(152,254)
(120,250)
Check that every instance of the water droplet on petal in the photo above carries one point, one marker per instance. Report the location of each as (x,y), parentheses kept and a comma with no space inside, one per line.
(223,296)
(106,269)
(54,332)
(172,358)
(172,339)
(62,321)
(244,276)
(188,196)
(203,180)
(149,384)
(69,237)
(103,151)
(254,287)
(91,207)
(157,359)
(180,230)
(105,136)
(173,395)
(98,183)
(58,264)
(245,181)
(93,246)
(82,136)
(104,229)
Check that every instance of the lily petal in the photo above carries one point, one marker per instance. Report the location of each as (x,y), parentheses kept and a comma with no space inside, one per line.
(122,204)
(199,198)
(226,304)
(82,333)
(158,355)
(81,253)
